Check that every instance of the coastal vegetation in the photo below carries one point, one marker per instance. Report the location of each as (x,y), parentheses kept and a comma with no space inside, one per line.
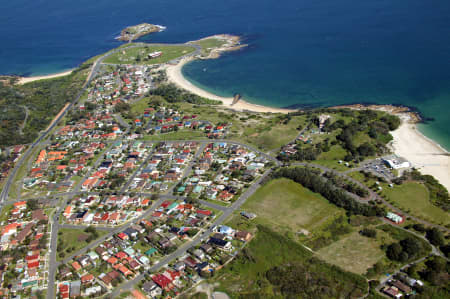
(311,180)
(208,44)
(275,266)
(350,135)
(134,32)
(173,94)
(438,194)
(28,109)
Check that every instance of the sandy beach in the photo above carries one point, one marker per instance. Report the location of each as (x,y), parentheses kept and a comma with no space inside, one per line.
(175,76)
(23,80)
(423,153)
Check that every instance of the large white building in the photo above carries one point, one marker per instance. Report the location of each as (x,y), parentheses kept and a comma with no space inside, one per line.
(396,163)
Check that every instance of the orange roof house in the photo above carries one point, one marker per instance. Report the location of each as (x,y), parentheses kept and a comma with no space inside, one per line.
(87,278)
(20,205)
(67,211)
(76,266)
(41,157)
(112,260)
(10,228)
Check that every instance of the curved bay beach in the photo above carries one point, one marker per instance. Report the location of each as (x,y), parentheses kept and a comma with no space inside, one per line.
(23,80)
(409,143)
(175,76)
(423,153)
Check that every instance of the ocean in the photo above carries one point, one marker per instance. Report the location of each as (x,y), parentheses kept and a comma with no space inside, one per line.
(301,53)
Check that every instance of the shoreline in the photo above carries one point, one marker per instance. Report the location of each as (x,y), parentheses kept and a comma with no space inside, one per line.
(23,80)
(175,76)
(425,154)
(421,151)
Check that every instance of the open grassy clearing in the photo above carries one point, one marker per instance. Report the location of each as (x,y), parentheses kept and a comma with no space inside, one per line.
(139,55)
(5,212)
(354,253)
(248,275)
(209,44)
(333,164)
(414,198)
(264,131)
(335,154)
(271,134)
(68,240)
(288,206)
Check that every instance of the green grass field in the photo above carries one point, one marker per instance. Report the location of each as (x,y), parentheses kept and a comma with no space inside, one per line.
(5,212)
(286,205)
(264,131)
(354,253)
(414,197)
(270,134)
(69,239)
(209,43)
(139,55)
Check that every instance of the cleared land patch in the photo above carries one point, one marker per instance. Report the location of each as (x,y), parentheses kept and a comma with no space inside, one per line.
(72,240)
(354,253)
(285,204)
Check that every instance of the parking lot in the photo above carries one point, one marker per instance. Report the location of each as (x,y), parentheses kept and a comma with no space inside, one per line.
(379,168)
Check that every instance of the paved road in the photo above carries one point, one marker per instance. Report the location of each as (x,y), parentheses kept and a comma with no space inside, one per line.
(373,195)
(80,226)
(135,173)
(227,211)
(26,155)
(196,241)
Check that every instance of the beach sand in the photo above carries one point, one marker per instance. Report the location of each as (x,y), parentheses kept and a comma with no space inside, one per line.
(175,76)
(23,80)
(423,153)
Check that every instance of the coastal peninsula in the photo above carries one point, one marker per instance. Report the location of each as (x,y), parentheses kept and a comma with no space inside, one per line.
(142,181)
(132,33)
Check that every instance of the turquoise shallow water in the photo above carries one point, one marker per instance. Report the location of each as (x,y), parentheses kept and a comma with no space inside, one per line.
(301,52)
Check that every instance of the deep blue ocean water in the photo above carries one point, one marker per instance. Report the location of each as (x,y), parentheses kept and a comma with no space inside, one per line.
(301,52)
